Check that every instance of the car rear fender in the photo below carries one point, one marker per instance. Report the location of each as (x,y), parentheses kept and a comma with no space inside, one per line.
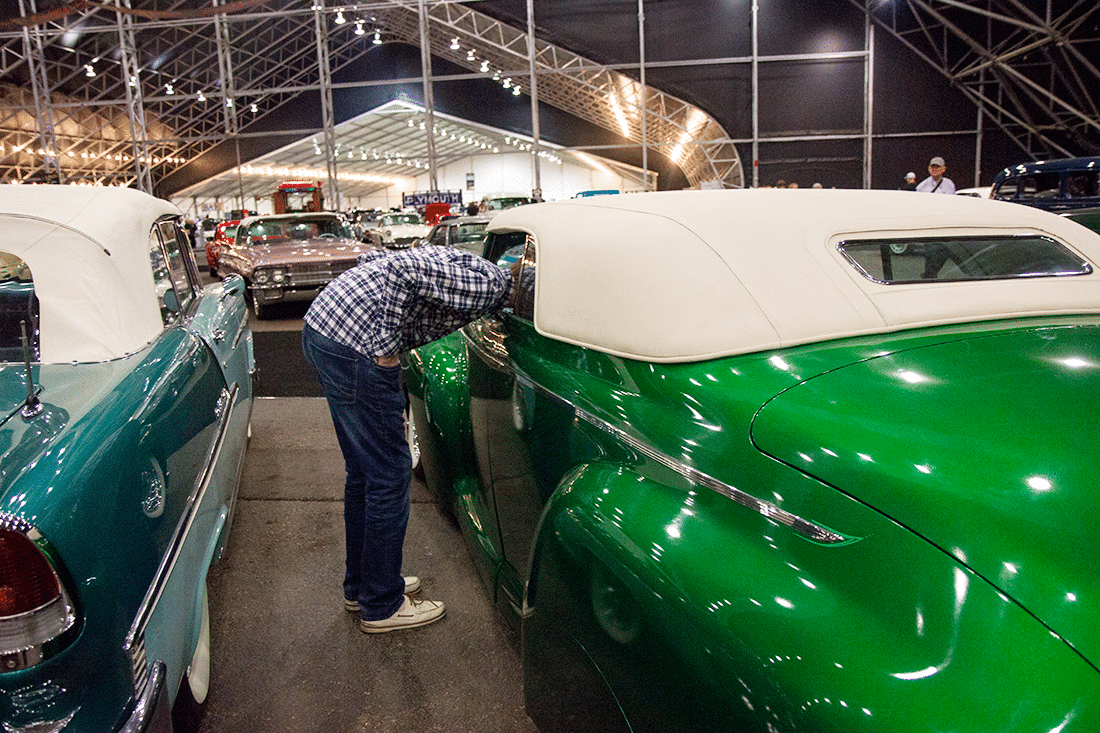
(664,604)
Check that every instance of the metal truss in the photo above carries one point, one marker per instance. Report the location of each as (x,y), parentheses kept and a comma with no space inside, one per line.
(1029,65)
(602,96)
(193,78)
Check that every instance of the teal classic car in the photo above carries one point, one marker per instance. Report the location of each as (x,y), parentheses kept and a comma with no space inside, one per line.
(127,390)
(733,462)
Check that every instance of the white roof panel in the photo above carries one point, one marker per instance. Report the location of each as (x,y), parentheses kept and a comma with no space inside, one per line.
(88,253)
(690,275)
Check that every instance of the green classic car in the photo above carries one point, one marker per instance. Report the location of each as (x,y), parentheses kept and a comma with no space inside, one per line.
(127,390)
(736,461)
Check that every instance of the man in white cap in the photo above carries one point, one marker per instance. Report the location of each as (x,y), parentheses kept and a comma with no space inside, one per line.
(910,182)
(936,181)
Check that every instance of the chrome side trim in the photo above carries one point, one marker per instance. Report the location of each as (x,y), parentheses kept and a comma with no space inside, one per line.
(804,527)
(152,713)
(135,638)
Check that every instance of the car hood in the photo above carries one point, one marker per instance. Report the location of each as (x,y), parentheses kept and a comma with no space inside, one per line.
(309,251)
(986,447)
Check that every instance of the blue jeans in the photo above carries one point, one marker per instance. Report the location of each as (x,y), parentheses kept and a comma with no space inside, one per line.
(367,403)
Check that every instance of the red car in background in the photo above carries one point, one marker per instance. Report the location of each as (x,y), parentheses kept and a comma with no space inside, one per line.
(225,230)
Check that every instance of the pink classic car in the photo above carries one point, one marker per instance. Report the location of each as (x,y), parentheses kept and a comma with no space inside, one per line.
(289,257)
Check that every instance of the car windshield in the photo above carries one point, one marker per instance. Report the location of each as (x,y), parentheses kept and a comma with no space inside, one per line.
(288,231)
(18,309)
(952,259)
(470,237)
(507,203)
(395,219)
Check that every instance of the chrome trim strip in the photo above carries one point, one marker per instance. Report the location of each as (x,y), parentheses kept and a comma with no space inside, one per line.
(136,635)
(804,527)
(152,713)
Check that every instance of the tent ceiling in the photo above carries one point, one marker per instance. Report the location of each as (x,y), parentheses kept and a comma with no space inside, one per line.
(374,150)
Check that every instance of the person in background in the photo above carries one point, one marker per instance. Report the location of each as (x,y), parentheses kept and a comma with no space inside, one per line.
(910,183)
(936,182)
(354,331)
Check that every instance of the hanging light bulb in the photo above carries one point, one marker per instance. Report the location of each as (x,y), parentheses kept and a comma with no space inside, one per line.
(202,97)
(454,43)
(169,90)
(485,66)
(470,55)
(359,28)
(255,108)
(515,92)
(377,37)
(89,71)
(340,17)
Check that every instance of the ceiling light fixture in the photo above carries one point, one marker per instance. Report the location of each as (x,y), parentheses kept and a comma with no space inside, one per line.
(377,37)
(89,71)
(340,20)
(454,43)
(359,28)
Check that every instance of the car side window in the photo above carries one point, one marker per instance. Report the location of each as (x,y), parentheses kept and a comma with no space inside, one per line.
(18,309)
(1083,185)
(174,288)
(525,285)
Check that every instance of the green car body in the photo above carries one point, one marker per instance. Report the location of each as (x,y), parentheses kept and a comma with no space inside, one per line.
(123,474)
(882,531)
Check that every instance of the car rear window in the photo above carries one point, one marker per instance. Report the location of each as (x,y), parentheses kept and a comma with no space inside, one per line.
(18,309)
(954,259)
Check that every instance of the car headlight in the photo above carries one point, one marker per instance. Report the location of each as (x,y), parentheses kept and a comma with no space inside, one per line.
(35,610)
(274,275)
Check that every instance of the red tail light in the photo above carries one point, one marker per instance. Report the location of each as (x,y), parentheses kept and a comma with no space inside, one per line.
(35,610)
(26,579)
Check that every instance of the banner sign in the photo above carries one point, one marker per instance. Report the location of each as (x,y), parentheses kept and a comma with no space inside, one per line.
(423,198)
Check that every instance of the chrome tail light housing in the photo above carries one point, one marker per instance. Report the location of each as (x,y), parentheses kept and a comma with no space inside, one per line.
(36,611)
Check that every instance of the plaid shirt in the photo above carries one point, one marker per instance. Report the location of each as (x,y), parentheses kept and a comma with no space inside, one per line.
(391,303)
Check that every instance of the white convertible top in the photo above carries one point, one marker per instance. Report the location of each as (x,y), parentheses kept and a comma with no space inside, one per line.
(692,275)
(88,252)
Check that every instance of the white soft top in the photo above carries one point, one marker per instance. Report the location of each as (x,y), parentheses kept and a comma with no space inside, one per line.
(692,275)
(88,253)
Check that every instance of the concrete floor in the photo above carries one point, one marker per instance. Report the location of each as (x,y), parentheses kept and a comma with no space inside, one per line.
(287,657)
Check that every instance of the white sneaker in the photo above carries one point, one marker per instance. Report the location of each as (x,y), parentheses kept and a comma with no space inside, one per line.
(413,612)
(412,585)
